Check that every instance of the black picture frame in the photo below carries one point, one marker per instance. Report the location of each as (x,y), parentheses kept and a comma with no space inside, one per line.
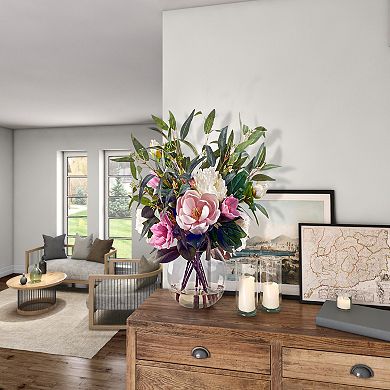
(329,195)
(360,296)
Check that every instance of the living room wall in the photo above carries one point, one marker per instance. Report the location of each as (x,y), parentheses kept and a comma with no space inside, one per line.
(6,201)
(36,153)
(315,73)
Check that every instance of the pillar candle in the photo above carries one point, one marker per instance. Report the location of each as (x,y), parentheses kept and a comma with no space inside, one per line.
(246,294)
(270,295)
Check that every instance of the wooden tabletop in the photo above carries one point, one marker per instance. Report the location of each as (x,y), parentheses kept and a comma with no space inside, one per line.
(295,321)
(49,279)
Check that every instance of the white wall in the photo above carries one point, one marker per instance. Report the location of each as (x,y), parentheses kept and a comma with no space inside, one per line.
(36,176)
(6,201)
(315,73)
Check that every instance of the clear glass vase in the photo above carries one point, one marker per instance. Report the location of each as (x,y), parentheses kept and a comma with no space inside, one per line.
(35,274)
(198,283)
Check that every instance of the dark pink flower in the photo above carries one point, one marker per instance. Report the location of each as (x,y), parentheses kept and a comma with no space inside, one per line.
(196,213)
(162,237)
(154,181)
(229,207)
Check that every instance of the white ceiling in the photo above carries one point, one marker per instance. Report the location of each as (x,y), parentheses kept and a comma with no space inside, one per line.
(82,62)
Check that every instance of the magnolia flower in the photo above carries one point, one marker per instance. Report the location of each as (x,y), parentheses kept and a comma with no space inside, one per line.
(139,220)
(259,189)
(209,181)
(162,237)
(195,212)
(229,207)
(243,223)
(154,181)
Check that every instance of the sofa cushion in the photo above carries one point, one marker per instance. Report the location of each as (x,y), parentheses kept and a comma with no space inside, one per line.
(82,247)
(145,266)
(75,269)
(99,249)
(54,247)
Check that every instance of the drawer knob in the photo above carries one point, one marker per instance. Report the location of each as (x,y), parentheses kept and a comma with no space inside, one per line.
(200,353)
(362,371)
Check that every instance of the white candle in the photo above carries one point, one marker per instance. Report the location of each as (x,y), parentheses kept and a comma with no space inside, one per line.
(343,303)
(270,295)
(246,294)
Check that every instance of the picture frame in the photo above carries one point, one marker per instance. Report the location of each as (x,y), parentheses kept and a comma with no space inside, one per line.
(286,209)
(345,257)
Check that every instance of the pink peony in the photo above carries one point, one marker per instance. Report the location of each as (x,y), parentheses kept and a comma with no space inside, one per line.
(162,237)
(229,207)
(196,213)
(154,181)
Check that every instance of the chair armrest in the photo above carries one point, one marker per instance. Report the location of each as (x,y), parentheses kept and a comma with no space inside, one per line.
(107,258)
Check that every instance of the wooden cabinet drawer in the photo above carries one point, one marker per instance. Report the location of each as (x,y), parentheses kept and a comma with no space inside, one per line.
(151,378)
(334,367)
(298,384)
(225,353)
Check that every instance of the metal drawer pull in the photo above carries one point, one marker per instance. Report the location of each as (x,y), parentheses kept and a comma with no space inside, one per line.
(362,371)
(200,353)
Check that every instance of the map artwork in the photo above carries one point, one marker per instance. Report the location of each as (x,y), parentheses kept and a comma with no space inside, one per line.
(338,258)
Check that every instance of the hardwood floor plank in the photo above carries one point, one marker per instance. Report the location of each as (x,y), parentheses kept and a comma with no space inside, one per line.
(40,371)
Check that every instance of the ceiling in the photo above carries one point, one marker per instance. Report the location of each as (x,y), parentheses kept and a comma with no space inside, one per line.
(82,62)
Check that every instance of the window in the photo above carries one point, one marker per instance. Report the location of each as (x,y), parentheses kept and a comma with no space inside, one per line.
(75,195)
(118,224)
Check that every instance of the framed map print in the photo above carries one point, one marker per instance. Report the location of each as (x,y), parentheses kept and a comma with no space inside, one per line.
(277,236)
(345,257)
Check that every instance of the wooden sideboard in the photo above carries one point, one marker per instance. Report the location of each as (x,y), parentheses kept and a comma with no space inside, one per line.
(270,351)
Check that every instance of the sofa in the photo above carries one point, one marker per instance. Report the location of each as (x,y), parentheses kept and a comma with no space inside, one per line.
(77,271)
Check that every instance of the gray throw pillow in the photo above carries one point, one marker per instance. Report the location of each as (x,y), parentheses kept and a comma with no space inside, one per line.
(54,247)
(82,247)
(147,265)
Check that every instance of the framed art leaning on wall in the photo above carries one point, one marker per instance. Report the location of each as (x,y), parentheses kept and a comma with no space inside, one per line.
(277,236)
(345,258)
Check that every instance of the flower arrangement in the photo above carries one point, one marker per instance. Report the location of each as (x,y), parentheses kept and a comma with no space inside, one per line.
(189,204)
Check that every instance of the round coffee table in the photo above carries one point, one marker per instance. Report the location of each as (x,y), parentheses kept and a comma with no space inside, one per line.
(37,298)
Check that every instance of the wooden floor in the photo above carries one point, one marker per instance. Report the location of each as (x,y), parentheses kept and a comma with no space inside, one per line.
(33,370)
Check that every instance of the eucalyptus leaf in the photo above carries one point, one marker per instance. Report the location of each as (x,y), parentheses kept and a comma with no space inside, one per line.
(167,255)
(140,149)
(261,177)
(261,208)
(189,144)
(186,125)
(269,166)
(144,182)
(160,123)
(208,124)
(210,155)
(172,121)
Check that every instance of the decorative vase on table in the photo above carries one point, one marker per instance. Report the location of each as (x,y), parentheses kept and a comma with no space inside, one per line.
(198,283)
(35,274)
(193,208)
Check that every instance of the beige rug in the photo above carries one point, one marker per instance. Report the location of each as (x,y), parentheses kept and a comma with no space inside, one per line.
(62,331)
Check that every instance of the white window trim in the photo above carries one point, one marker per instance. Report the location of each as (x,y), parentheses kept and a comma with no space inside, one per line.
(65,156)
(107,155)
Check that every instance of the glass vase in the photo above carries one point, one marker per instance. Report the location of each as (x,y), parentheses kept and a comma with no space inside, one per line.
(271,284)
(35,274)
(197,283)
(247,273)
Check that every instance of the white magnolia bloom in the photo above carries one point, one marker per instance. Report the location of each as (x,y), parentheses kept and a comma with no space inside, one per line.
(139,220)
(244,223)
(209,181)
(259,189)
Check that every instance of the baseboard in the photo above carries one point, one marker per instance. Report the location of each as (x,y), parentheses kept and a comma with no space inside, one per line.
(18,269)
(7,270)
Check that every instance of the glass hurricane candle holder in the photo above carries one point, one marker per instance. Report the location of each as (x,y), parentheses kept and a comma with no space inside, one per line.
(344,299)
(271,284)
(247,273)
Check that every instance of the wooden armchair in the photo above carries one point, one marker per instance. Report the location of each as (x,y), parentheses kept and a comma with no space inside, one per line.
(113,297)
(33,256)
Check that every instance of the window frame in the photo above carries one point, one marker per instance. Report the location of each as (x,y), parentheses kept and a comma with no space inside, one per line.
(66,196)
(107,155)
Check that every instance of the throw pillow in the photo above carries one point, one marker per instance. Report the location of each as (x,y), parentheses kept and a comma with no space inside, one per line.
(147,265)
(54,247)
(99,249)
(82,247)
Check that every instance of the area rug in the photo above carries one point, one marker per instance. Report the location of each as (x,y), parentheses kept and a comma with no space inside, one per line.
(62,331)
